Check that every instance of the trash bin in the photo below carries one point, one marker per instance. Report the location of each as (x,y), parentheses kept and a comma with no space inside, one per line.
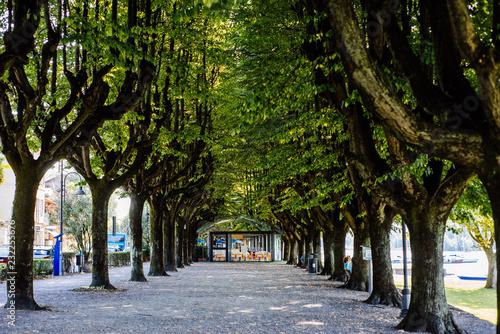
(79,261)
(313,264)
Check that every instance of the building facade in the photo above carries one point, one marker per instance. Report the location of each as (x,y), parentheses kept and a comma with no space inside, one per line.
(43,232)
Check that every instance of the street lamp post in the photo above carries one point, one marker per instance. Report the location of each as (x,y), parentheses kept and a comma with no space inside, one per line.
(406,291)
(78,192)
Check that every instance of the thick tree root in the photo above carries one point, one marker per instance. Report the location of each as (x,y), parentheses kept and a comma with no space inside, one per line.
(338,277)
(389,298)
(170,268)
(353,285)
(105,286)
(158,273)
(137,278)
(30,305)
(429,322)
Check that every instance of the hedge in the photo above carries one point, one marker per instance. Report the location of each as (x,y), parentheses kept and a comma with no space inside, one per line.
(200,251)
(3,272)
(68,257)
(43,267)
(117,259)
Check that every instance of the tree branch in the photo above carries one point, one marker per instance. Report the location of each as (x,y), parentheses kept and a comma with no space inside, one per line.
(454,144)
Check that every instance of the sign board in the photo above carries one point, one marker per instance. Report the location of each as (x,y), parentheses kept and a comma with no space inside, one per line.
(367,253)
(237,236)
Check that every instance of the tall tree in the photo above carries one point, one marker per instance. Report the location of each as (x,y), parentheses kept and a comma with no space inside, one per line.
(55,93)
(456,114)
(112,156)
(473,214)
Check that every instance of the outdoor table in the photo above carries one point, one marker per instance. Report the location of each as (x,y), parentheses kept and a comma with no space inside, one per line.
(262,256)
(238,255)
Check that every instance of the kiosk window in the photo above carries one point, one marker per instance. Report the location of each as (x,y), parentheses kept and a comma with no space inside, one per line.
(219,241)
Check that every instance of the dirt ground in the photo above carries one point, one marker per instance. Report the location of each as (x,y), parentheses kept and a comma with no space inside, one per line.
(210,298)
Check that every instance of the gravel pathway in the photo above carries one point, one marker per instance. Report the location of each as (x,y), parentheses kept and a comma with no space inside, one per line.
(210,298)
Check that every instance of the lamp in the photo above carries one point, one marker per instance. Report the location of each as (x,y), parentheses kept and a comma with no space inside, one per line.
(78,192)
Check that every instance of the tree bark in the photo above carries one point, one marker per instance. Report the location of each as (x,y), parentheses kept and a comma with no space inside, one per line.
(491,281)
(493,187)
(475,148)
(308,248)
(178,245)
(100,200)
(328,251)
(20,275)
(169,248)
(194,241)
(185,246)
(293,252)
(135,215)
(156,237)
(301,252)
(340,229)
(384,290)
(428,310)
(359,277)
(191,242)
(285,242)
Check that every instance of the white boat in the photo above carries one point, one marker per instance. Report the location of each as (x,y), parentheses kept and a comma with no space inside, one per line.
(466,260)
(455,258)
(399,259)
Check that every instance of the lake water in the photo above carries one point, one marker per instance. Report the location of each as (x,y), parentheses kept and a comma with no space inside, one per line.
(480,268)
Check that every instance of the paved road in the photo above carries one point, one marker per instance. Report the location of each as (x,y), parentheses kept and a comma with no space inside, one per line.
(209,298)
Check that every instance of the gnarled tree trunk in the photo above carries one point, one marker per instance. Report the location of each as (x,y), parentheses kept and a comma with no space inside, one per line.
(317,248)
(359,277)
(340,229)
(178,244)
(20,272)
(293,252)
(328,251)
(301,249)
(185,246)
(491,281)
(156,237)
(384,291)
(308,248)
(170,251)
(135,215)
(100,200)
(428,310)
(285,246)
(493,188)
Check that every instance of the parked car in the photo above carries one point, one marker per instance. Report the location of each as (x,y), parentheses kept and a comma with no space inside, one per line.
(4,258)
(43,253)
(4,255)
(114,249)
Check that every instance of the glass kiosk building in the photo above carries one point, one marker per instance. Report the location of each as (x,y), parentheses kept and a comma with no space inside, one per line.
(244,246)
